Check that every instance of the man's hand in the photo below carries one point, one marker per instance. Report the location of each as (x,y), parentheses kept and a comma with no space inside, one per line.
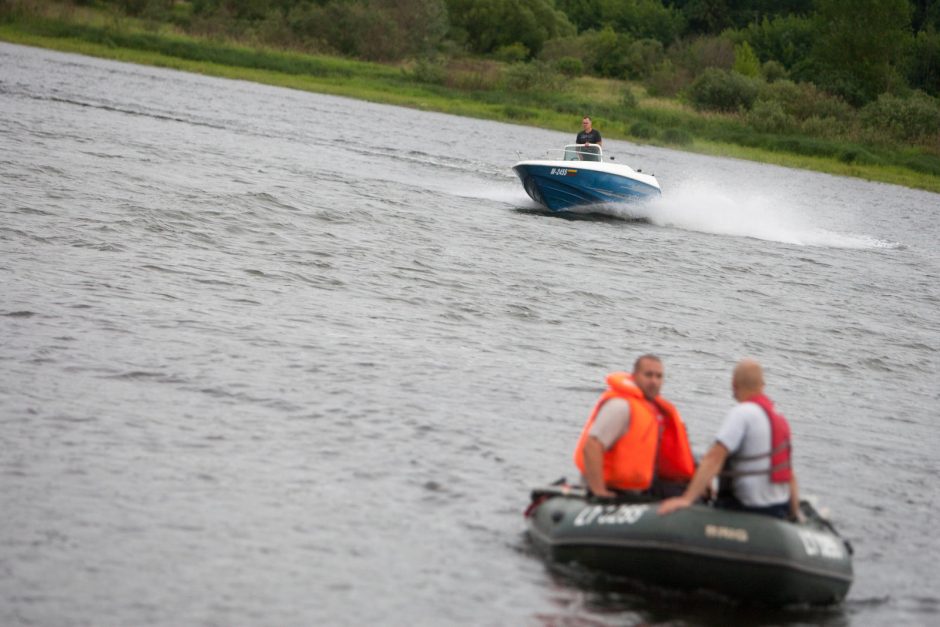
(675,503)
(712,462)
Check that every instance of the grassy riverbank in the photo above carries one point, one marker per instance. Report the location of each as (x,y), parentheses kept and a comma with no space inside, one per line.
(620,109)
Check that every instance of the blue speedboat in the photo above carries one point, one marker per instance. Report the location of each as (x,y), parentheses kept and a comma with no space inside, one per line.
(578,175)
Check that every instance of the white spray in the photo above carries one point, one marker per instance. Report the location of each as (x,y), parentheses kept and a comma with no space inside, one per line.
(758,213)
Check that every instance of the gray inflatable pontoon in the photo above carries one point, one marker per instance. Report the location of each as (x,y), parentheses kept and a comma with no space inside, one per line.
(745,556)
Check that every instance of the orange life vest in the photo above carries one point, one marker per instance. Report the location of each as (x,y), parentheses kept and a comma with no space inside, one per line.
(630,463)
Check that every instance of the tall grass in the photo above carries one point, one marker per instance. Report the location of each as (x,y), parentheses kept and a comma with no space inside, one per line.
(208,51)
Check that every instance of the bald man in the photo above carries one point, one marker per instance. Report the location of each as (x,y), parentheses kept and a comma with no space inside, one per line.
(751,455)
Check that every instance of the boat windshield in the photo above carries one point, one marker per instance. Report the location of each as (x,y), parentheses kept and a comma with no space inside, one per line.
(582,152)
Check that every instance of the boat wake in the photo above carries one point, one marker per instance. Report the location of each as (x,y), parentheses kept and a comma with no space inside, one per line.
(744,213)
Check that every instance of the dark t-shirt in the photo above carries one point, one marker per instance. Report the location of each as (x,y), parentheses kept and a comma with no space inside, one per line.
(594,137)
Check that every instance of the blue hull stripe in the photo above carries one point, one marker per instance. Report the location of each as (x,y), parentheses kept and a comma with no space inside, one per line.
(580,186)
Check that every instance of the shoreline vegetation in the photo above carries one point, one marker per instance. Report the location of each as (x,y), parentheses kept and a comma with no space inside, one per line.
(520,93)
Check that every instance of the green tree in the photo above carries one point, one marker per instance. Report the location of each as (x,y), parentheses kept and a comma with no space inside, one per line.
(584,14)
(926,15)
(641,19)
(642,57)
(745,61)
(923,62)
(787,39)
(485,25)
(859,46)
(607,52)
(714,16)
(706,16)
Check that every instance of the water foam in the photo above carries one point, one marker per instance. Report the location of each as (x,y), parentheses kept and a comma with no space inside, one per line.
(761,214)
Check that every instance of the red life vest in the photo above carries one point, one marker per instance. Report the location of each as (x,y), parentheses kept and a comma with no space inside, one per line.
(780,469)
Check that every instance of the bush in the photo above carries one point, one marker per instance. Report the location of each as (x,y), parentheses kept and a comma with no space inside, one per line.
(929,164)
(858,156)
(607,53)
(154,9)
(428,71)
(677,136)
(474,75)
(12,10)
(569,66)
(513,53)
(819,103)
(367,29)
(786,92)
(533,76)
(822,127)
(800,145)
(628,99)
(667,80)
(804,100)
(642,130)
(514,112)
(773,71)
(914,119)
(561,47)
(721,90)
(768,116)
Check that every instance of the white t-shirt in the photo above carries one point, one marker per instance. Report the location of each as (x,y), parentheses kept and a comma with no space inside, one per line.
(612,421)
(746,432)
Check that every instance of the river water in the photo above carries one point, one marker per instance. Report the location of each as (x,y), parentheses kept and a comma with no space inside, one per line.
(277,358)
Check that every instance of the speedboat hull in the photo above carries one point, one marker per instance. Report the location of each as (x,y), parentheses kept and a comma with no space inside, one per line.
(741,555)
(562,185)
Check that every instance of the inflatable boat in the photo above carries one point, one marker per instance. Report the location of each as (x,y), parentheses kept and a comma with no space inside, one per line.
(745,556)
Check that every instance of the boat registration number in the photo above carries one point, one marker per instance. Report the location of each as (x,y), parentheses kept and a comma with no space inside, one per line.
(610,515)
(820,544)
(563,172)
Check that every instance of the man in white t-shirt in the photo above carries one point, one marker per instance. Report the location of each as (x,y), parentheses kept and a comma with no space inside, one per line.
(745,434)
(755,442)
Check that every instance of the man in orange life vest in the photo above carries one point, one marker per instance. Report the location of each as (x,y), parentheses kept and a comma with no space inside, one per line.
(634,439)
(751,455)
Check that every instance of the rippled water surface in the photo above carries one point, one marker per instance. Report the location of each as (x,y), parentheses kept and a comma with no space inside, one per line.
(276,358)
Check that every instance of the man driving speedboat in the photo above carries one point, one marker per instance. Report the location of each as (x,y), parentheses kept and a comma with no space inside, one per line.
(588,134)
(589,141)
